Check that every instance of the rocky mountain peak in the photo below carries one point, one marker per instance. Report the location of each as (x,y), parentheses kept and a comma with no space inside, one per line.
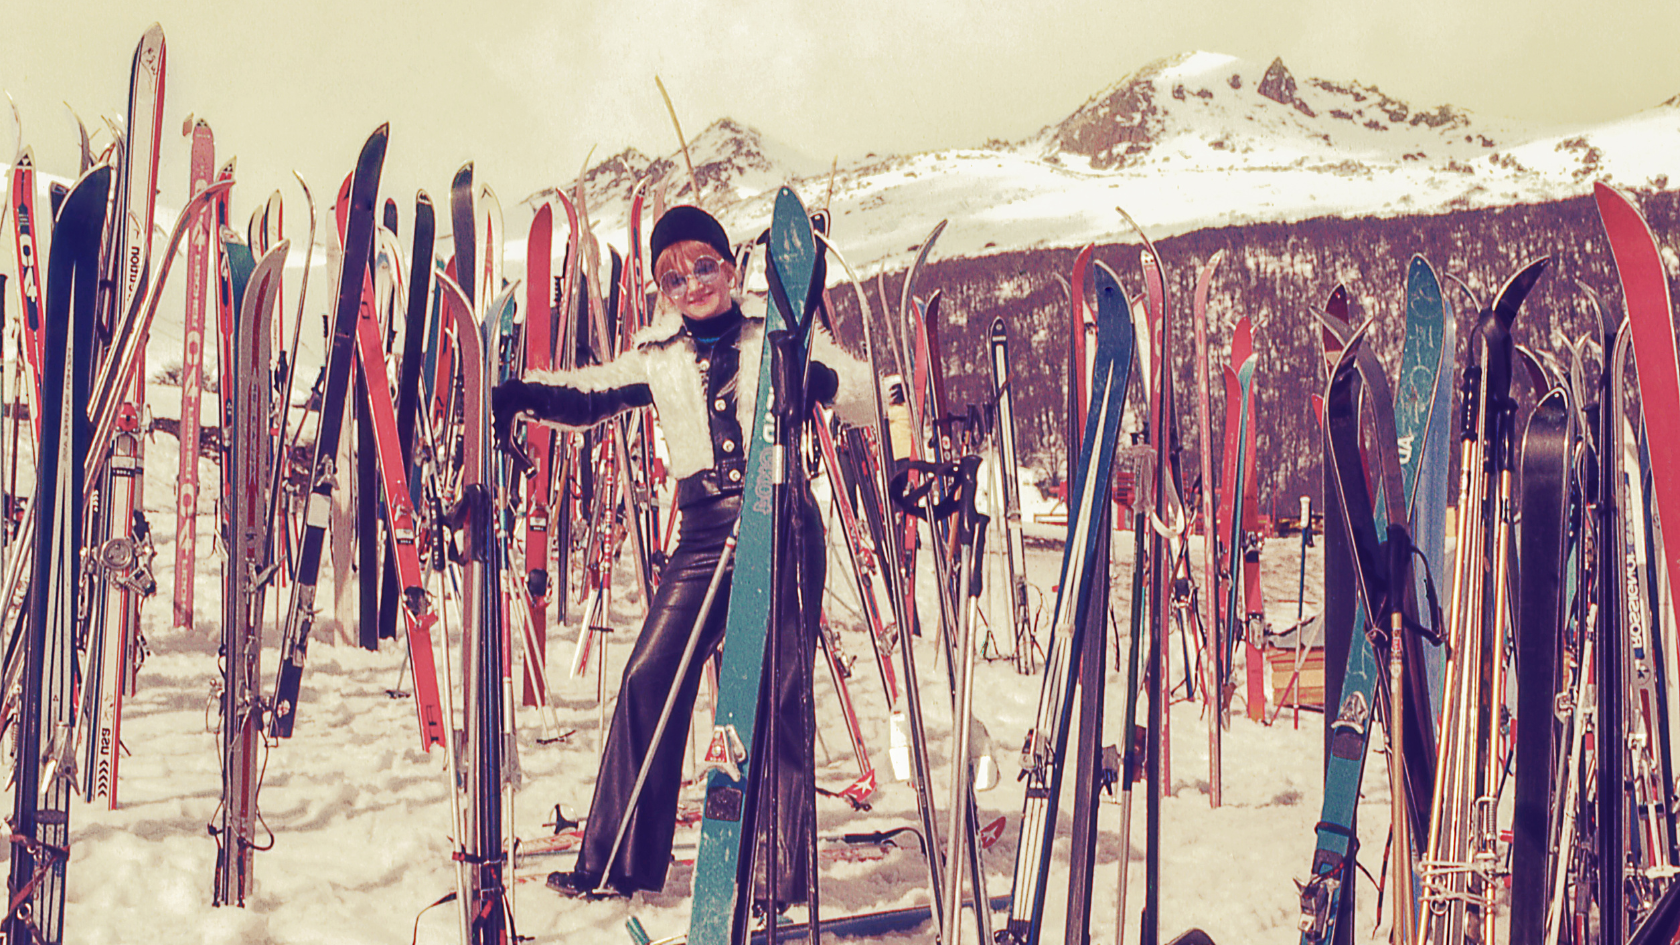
(1119,122)
(1279,86)
(1182,107)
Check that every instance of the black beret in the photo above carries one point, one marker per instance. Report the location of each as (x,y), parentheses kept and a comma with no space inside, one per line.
(688,223)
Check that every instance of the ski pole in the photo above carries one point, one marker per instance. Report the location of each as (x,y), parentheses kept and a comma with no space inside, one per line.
(962,775)
(1128,751)
(1306,542)
(693,644)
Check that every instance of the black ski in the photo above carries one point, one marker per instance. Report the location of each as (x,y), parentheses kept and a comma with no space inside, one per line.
(44,777)
(323,472)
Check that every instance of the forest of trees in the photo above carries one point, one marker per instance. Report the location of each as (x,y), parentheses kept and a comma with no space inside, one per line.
(1278,274)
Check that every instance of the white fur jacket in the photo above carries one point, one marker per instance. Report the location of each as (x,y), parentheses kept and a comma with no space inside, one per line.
(664,357)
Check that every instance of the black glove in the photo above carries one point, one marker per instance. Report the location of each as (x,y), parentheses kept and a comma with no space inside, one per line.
(822,384)
(508,401)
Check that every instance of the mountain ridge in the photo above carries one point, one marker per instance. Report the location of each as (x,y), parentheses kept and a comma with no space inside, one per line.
(1188,141)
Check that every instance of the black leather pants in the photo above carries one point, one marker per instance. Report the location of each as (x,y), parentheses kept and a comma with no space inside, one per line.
(645,855)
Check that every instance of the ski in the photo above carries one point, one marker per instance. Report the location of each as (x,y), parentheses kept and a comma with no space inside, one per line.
(250,550)
(1547,457)
(1644,281)
(723,874)
(539,445)
(44,775)
(124,544)
(865,925)
(1379,597)
(1009,474)
(400,520)
(299,615)
(885,533)
(1042,757)
(200,248)
(484,645)
(1212,684)
(22,197)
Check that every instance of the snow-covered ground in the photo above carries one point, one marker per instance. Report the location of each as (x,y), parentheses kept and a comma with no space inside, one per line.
(361,827)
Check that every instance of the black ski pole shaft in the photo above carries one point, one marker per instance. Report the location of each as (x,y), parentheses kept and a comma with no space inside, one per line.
(1128,721)
(1301,585)
(1088,778)
(784,386)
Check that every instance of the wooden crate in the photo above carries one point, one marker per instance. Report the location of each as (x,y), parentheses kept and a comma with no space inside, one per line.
(1309,689)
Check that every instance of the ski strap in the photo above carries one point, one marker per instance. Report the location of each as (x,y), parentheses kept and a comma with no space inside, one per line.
(912,499)
(54,854)
(1432,633)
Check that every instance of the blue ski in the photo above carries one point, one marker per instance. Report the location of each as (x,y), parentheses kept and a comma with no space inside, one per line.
(723,861)
(1042,758)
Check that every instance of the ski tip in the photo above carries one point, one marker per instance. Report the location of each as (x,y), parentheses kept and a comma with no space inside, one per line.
(373,151)
(1511,295)
(788,202)
(1106,281)
(1337,304)
(1192,937)
(1204,279)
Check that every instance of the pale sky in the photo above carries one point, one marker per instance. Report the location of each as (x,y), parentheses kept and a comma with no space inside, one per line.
(526,88)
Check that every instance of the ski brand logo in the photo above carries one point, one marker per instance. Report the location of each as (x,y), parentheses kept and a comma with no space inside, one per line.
(767,421)
(26,265)
(1405,443)
(187,507)
(764,486)
(1636,610)
(136,234)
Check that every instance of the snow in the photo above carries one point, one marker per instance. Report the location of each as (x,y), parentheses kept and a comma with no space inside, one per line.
(360,819)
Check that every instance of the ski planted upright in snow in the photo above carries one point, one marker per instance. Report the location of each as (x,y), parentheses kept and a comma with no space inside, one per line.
(249,553)
(1042,757)
(323,471)
(723,873)
(45,774)
(201,250)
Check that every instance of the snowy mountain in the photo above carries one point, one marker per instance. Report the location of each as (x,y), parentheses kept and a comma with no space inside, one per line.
(1216,110)
(1192,141)
(732,163)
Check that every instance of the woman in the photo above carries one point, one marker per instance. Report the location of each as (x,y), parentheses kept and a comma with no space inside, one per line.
(698,367)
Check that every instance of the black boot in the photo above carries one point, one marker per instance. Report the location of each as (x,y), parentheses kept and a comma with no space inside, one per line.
(579,885)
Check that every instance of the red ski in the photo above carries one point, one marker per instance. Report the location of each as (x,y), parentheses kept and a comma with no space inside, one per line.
(539,445)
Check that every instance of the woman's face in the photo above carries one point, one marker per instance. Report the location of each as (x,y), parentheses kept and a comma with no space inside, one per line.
(696,280)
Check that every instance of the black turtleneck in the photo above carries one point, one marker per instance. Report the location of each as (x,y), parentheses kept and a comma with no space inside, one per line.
(708,330)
